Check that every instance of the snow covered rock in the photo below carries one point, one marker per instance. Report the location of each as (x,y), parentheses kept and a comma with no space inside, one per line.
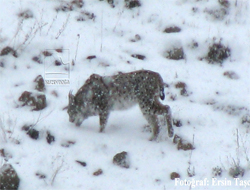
(70,6)
(26,14)
(218,53)
(246,119)
(37,101)
(98,172)
(217,171)
(84,164)
(39,83)
(132,3)
(182,144)
(138,56)
(175,53)
(231,75)
(8,50)
(177,122)
(122,160)
(6,155)
(172,29)
(183,88)
(174,175)
(50,138)
(33,133)
(8,178)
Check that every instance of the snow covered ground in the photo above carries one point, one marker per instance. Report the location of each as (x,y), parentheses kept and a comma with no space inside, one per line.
(213,107)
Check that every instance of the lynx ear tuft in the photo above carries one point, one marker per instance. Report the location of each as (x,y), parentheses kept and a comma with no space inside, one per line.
(162,94)
(71,96)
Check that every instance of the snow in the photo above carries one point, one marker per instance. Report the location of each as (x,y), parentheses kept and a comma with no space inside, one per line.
(217,131)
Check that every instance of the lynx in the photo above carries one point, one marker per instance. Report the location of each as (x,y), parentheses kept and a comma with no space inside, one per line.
(102,94)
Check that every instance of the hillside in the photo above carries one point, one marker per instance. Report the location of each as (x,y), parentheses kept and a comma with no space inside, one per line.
(199,47)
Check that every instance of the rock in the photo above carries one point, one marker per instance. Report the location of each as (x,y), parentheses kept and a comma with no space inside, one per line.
(33,133)
(122,160)
(98,172)
(177,122)
(37,101)
(138,56)
(231,75)
(191,171)
(176,139)
(194,45)
(217,14)
(173,29)
(111,2)
(224,3)
(6,155)
(183,87)
(182,144)
(2,153)
(70,6)
(175,54)
(77,3)
(245,119)
(132,3)
(174,175)
(40,175)
(37,59)
(58,63)
(218,53)
(59,50)
(55,93)
(26,14)
(91,57)
(136,38)
(81,163)
(47,53)
(9,179)
(67,144)
(27,127)
(8,50)
(39,83)
(84,16)
(50,138)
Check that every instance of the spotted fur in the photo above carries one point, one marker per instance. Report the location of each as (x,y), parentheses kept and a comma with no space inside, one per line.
(102,94)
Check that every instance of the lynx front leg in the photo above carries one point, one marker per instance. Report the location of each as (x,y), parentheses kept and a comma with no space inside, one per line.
(103,120)
(160,109)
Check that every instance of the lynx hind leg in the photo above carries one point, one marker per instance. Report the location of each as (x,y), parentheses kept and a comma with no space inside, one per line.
(153,122)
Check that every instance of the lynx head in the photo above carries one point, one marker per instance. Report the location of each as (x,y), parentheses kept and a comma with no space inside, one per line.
(74,110)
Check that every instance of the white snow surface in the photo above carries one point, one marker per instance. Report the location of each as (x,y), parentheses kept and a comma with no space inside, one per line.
(216,130)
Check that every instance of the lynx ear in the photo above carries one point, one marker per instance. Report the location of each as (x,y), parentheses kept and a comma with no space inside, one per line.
(71,96)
